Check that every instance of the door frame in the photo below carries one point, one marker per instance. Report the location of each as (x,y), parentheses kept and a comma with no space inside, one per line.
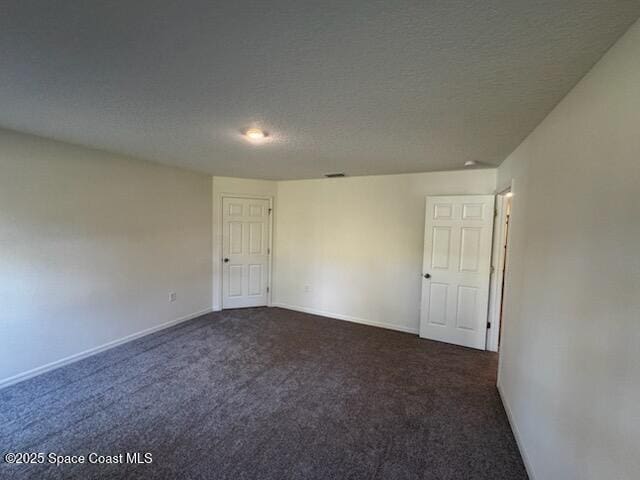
(221,198)
(498,269)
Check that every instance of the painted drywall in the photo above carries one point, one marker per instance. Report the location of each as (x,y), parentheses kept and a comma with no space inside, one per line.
(91,245)
(570,361)
(233,186)
(352,247)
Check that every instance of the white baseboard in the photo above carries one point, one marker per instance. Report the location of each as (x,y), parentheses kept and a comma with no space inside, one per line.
(516,434)
(348,318)
(92,351)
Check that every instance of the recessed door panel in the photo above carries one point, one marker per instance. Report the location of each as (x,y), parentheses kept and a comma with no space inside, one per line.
(235,238)
(466,308)
(256,237)
(473,211)
(441,251)
(442,211)
(255,210)
(470,249)
(438,304)
(255,279)
(235,209)
(235,280)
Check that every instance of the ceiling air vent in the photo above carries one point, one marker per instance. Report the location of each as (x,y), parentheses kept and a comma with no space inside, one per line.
(334,175)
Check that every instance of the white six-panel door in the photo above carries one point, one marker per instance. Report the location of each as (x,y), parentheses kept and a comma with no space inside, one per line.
(245,252)
(456,269)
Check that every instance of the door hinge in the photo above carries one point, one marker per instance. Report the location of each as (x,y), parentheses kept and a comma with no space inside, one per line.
(267,289)
(493,269)
(488,324)
(270,210)
(495,213)
(268,251)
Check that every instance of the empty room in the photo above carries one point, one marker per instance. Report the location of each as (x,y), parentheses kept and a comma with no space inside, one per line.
(355,239)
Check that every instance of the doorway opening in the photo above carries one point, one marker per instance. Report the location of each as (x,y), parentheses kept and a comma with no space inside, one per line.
(246,251)
(457,269)
(499,264)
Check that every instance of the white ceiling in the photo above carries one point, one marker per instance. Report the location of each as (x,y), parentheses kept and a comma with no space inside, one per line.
(360,86)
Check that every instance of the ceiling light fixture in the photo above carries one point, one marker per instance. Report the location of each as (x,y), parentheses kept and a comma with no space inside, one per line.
(255,134)
(470,163)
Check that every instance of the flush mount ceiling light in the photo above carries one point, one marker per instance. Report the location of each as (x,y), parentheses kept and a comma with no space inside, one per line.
(470,163)
(255,134)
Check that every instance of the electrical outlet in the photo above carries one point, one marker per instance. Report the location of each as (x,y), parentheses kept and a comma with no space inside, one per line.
(172,296)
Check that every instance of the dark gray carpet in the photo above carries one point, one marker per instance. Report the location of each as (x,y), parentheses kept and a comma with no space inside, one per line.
(268,394)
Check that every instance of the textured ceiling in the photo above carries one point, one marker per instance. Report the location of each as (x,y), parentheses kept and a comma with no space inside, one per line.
(360,86)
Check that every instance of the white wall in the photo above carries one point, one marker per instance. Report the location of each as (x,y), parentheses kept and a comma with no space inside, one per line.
(232,186)
(357,243)
(570,361)
(91,244)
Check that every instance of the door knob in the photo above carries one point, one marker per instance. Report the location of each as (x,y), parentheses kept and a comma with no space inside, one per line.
(226,260)
(427,275)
